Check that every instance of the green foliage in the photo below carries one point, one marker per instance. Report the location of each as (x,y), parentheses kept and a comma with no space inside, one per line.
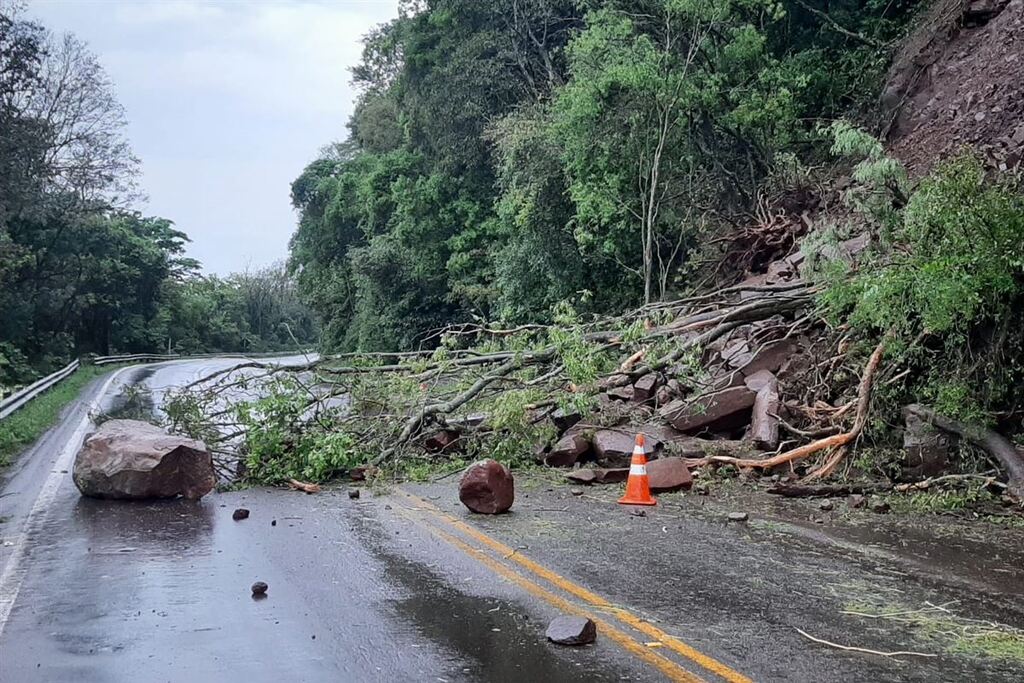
(946,280)
(500,163)
(282,442)
(581,359)
(79,272)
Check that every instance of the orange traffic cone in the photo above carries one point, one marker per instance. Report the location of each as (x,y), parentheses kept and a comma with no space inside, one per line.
(638,489)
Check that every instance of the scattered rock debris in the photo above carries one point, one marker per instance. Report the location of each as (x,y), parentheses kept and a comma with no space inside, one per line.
(825,505)
(738,516)
(353,494)
(259,589)
(570,630)
(240,513)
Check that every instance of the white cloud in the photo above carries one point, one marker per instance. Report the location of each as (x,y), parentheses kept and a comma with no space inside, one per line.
(227,101)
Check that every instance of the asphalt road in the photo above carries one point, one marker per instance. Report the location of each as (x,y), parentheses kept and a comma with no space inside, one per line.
(405,585)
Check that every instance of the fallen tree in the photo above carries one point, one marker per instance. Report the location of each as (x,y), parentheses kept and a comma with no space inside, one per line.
(1009,457)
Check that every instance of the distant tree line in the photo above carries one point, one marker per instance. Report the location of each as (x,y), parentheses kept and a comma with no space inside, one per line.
(81,272)
(505,156)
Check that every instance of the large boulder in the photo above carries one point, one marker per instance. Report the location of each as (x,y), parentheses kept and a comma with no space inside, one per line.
(487,487)
(721,410)
(135,460)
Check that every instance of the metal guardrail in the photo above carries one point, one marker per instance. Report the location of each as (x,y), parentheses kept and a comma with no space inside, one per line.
(127,358)
(20,398)
(23,396)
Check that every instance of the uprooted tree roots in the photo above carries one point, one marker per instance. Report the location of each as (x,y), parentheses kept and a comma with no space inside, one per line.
(713,378)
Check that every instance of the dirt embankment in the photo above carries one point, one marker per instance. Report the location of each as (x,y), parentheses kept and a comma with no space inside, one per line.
(959,81)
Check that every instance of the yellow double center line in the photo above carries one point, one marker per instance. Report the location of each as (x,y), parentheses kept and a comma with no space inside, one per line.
(672,670)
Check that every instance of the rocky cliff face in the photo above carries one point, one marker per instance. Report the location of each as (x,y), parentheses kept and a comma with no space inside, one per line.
(959,82)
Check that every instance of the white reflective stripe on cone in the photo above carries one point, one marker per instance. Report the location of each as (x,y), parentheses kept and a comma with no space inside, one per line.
(637,469)
(637,450)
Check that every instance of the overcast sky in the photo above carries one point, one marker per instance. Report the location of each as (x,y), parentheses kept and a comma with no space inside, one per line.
(227,102)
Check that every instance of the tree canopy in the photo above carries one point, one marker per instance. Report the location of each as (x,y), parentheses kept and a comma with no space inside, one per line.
(81,272)
(507,156)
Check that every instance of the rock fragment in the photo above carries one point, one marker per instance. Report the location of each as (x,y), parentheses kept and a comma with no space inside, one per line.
(614,448)
(240,514)
(565,419)
(645,388)
(727,409)
(764,419)
(600,475)
(353,494)
(570,630)
(668,474)
(738,516)
(442,441)
(259,589)
(567,451)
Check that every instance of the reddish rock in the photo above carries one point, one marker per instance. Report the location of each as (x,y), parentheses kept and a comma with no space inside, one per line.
(726,409)
(442,441)
(565,419)
(615,448)
(582,476)
(770,357)
(668,474)
(737,354)
(759,379)
(134,460)
(487,487)
(600,475)
(567,451)
(645,388)
(764,419)
(621,393)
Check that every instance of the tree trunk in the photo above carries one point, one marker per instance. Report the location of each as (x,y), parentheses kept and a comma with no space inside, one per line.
(1000,448)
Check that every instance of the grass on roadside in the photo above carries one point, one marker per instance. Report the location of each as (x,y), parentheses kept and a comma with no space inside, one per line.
(26,425)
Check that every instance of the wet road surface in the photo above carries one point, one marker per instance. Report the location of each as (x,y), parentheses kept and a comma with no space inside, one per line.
(405,585)
(115,591)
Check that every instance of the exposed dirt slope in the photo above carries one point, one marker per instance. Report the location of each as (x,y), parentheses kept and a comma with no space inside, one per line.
(959,81)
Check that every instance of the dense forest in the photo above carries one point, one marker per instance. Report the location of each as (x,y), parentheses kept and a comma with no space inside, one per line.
(80,271)
(508,156)
(612,207)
